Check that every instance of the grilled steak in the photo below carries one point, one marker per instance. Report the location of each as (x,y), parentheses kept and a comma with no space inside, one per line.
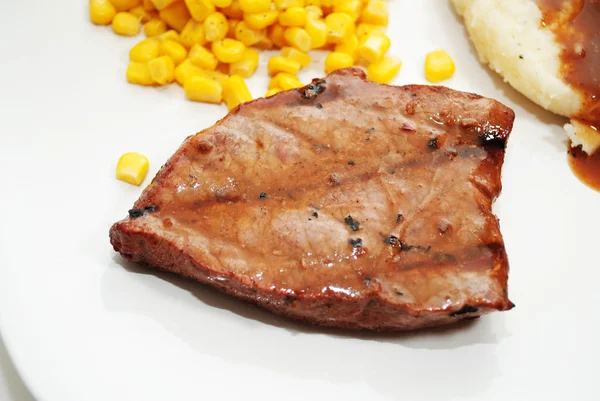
(344,203)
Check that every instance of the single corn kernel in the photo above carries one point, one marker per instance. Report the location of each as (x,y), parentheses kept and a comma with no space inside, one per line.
(316,3)
(155,27)
(265,44)
(185,70)
(202,58)
(277,34)
(234,10)
(339,27)
(142,14)
(245,67)
(439,66)
(298,38)
(162,70)
(349,7)
(349,46)
(200,9)
(272,92)
(317,30)
(247,35)
(139,74)
(384,71)
(102,12)
(222,3)
(192,33)
(215,27)
(285,81)
(261,20)
(335,61)
(313,12)
(364,29)
(293,16)
(375,12)
(330,3)
(132,168)
(173,49)
(285,4)
(201,89)
(220,77)
(148,5)
(296,55)
(373,46)
(126,24)
(235,92)
(232,23)
(169,35)
(124,5)
(228,50)
(279,64)
(175,16)
(145,50)
(255,6)
(160,4)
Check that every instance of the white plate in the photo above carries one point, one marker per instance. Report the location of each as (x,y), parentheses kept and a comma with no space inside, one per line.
(81,324)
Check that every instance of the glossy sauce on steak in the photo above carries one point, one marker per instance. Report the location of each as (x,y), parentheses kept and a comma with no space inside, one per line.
(345,203)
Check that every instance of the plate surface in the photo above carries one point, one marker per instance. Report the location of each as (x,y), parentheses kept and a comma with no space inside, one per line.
(82,324)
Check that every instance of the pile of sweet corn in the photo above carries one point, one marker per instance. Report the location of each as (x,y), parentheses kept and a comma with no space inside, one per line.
(209,46)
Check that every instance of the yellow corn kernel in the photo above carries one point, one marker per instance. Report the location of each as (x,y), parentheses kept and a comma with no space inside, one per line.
(313,12)
(373,46)
(330,3)
(293,16)
(272,91)
(185,70)
(145,50)
(142,14)
(169,35)
(248,36)
(155,27)
(285,81)
(124,5)
(192,33)
(201,89)
(384,71)
(349,46)
(132,168)
(265,44)
(126,24)
(246,67)
(285,4)
(349,7)
(160,4)
(438,66)
(296,55)
(222,3)
(317,30)
(277,34)
(175,16)
(255,6)
(173,49)
(202,58)
(215,27)
(279,64)
(231,24)
(339,27)
(220,77)
(235,92)
(299,38)
(148,5)
(234,10)
(162,70)
(228,50)
(139,73)
(261,20)
(375,12)
(200,9)
(364,29)
(336,60)
(102,12)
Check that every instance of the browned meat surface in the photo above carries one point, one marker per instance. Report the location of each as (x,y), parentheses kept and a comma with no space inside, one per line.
(345,203)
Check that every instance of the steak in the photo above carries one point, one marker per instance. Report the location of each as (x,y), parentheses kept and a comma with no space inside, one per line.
(344,203)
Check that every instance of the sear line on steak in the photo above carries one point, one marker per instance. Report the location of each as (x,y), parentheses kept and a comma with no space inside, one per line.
(344,203)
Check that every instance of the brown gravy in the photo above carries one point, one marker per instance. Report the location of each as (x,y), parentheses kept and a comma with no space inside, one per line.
(585,167)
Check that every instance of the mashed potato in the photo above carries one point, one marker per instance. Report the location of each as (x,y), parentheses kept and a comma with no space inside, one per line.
(508,36)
